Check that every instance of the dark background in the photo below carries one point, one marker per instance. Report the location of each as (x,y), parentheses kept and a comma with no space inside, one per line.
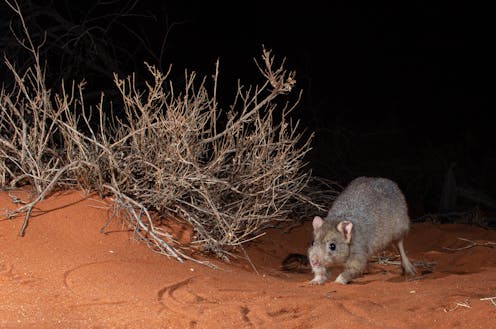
(396,89)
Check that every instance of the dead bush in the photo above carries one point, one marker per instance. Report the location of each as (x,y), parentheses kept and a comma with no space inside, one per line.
(228,173)
(228,182)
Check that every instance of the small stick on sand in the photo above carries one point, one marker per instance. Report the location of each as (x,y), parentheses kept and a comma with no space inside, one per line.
(383,260)
(457,305)
(492,299)
(15,199)
(472,244)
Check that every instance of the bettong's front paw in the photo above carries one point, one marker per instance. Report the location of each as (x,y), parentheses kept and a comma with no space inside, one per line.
(318,280)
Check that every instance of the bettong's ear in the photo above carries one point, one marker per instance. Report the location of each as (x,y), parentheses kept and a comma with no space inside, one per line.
(346,228)
(317,222)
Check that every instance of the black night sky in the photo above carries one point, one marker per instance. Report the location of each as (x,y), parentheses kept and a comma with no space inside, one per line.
(396,89)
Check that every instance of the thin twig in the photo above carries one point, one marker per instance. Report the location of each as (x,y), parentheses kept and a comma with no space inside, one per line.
(472,244)
(491,299)
(457,305)
(28,208)
(247,257)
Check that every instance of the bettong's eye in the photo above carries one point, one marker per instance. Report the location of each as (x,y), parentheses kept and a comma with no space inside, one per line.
(332,246)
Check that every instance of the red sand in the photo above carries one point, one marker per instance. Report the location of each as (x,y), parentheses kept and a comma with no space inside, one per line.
(65,274)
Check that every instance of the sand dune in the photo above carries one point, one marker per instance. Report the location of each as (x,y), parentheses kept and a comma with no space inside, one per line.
(66,274)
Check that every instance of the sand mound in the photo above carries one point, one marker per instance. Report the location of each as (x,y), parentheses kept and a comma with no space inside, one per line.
(66,274)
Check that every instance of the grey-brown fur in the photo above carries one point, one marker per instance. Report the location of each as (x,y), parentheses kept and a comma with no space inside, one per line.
(367,216)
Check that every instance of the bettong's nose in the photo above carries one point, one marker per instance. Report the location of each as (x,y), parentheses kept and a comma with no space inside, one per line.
(314,261)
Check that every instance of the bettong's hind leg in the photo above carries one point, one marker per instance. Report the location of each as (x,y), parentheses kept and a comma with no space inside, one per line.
(407,266)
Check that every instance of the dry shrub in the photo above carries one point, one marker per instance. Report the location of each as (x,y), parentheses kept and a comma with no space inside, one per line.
(229,182)
(228,174)
(35,148)
(28,129)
